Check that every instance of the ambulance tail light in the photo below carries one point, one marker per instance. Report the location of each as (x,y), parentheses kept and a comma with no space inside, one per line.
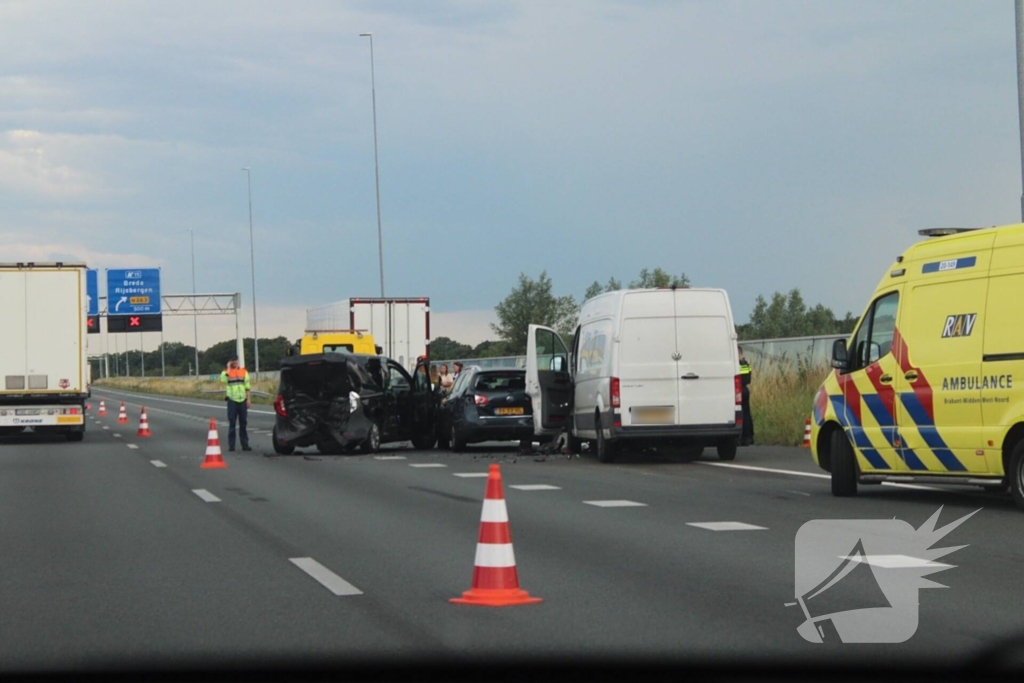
(616,396)
(279,406)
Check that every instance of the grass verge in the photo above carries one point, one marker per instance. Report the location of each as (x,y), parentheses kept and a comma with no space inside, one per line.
(781,399)
(190,388)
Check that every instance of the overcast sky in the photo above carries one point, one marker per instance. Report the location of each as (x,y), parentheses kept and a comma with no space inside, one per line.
(757,146)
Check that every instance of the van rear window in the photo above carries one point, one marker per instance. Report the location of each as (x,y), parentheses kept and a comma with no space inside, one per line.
(500,381)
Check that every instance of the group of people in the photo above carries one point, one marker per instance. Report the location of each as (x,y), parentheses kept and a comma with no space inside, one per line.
(442,378)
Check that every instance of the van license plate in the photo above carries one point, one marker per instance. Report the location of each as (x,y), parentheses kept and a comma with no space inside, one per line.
(654,416)
(509,411)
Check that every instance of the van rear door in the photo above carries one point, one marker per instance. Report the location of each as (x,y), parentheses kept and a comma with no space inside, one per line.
(647,366)
(707,371)
(548,380)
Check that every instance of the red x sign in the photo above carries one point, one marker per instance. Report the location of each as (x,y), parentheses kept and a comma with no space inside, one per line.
(133,321)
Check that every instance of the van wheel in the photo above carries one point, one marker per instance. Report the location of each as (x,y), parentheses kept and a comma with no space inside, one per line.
(456,443)
(605,449)
(371,444)
(727,449)
(1016,474)
(279,448)
(844,466)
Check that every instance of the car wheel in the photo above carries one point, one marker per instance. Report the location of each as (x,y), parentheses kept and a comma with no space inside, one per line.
(727,449)
(1016,474)
(371,444)
(455,442)
(844,466)
(279,448)
(424,442)
(605,449)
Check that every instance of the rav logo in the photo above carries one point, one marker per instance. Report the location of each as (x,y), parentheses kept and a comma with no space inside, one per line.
(959,325)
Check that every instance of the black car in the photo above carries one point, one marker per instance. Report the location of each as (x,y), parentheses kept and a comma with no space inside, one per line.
(486,405)
(341,402)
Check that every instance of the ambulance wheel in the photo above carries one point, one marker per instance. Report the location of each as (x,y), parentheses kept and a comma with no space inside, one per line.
(844,466)
(605,450)
(279,448)
(371,444)
(727,449)
(1016,474)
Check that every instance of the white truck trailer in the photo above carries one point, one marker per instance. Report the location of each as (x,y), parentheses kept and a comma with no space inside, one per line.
(400,327)
(43,363)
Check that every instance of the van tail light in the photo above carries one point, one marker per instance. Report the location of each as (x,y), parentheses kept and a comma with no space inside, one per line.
(616,397)
(739,391)
(279,406)
(480,400)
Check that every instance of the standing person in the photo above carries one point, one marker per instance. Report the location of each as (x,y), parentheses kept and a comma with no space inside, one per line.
(446,380)
(434,377)
(236,382)
(457,366)
(747,439)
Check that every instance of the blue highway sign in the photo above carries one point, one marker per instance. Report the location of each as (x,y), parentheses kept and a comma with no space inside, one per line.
(92,291)
(130,292)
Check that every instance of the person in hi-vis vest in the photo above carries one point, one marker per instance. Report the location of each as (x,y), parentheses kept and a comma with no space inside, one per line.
(236,393)
(748,421)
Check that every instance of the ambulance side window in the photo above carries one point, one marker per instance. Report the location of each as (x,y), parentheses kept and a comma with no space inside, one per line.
(875,335)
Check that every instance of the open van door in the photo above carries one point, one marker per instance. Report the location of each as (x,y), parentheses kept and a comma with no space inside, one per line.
(548,380)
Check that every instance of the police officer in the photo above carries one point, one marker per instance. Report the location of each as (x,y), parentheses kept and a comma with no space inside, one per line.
(236,393)
(747,439)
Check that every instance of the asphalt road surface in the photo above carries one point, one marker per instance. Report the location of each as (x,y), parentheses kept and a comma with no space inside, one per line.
(121,549)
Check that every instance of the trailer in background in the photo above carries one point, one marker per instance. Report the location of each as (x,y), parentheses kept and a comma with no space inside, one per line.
(42,348)
(400,327)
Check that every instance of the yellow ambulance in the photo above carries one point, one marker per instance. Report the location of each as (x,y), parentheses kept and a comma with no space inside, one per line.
(930,386)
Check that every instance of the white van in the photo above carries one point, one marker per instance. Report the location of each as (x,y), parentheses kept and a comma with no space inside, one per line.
(650,367)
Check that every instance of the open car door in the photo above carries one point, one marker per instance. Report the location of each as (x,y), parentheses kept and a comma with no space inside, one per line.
(549,382)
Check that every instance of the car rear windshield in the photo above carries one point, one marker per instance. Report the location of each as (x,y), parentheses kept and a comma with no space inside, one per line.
(500,381)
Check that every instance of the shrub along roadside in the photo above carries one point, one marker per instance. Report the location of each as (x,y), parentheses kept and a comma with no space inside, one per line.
(781,400)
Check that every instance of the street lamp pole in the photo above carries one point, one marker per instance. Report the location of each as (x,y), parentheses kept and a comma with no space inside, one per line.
(195,315)
(376,163)
(252,264)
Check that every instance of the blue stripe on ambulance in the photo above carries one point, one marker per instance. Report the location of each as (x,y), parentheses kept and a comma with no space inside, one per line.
(926,427)
(860,439)
(884,417)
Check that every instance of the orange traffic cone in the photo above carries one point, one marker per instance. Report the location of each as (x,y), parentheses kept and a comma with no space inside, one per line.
(103,407)
(143,424)
(807,434)
(213,458)
(122,417)
(495,580)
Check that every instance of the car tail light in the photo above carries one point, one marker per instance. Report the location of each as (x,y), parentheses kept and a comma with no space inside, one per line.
(480,400)
(279,406)
(739,391)
(616,398)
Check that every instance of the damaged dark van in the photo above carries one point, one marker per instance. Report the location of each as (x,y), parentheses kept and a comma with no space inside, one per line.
(343,402)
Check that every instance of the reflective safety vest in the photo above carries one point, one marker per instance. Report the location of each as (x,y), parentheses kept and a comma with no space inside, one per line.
(744,371)
(237,383)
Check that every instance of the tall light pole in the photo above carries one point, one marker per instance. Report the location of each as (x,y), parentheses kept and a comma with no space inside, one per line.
(1019,20)
(195,315)
(252,265)
(376,164)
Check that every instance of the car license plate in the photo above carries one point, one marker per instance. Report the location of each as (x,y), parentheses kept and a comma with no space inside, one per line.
(509,411)
(662,415)
(25,411)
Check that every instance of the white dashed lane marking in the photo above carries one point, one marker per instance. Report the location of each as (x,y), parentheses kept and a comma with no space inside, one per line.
(467,475)
(325,577)
(106,427)
(427,464)
(206,495)
(536,487)
(132,446)
(389,457)
(615,503)
(117,436)
(726,526)
(816,475)
(157,463)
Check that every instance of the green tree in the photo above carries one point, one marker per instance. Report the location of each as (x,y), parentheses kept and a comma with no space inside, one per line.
(596,288)
(532,301)
(787,315)
(490,349)
(444,348)
(659,278)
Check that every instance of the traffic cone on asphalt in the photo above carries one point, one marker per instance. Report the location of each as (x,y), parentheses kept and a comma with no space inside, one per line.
(143,424)
(103,408)
(495,580)
(122,417)
(807,434)
(213,457)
